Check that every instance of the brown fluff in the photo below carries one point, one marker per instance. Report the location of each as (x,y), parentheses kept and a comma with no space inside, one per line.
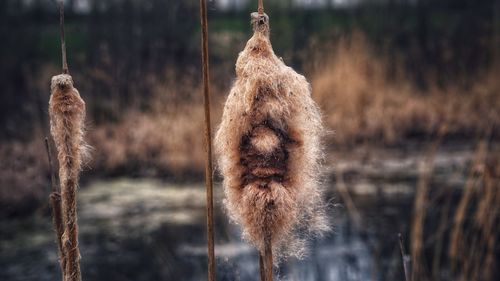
(67,115)
(268,145)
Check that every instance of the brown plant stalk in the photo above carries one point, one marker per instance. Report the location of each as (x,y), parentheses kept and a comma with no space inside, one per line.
(419,212)
(475,220)
(268,145)
(456,235)
(67,114)
(55,204)
(208,141)
(406,259)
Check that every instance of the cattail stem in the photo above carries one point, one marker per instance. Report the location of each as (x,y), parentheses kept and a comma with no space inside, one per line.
(268,258)
(208,141)
(260,8)
(65,69)
(261,267)
(70,237)
(55,204)
(53,183)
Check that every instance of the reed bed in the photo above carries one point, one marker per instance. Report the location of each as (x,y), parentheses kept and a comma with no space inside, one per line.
(475,224)
(368,96)
(417,229)
(359,102)
(463,245)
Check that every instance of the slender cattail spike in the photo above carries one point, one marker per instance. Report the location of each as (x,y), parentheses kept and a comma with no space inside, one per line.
(67,115)
(269,150)
(65,69)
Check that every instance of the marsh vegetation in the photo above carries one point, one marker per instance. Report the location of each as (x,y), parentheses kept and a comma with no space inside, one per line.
(409,92)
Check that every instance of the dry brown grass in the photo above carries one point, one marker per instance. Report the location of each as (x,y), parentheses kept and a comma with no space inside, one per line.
(170,142)
(474,233)
(350,84)
(23,177)
(361,102)
(469,231)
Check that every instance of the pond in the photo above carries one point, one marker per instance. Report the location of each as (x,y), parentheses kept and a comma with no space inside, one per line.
(147,229)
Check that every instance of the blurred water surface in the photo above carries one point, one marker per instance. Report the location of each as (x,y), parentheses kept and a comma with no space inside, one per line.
(146,229)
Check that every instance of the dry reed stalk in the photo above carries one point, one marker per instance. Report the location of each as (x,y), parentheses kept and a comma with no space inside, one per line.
(438,248)
(492,225)
(208,142)
(490,261)
(456,236)
(419,211)
(405,258)
(487,199)
(269,150)
(346,197)
(477,264)
(55,204)
(67,114)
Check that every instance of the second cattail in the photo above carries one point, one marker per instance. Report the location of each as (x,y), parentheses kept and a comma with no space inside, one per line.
(269,150)
(67,115)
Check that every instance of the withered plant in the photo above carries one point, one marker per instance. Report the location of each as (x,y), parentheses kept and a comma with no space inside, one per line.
(269,150)
(67,115)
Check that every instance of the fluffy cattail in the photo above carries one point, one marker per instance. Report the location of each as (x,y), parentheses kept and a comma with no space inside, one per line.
(269,150)
(67,115)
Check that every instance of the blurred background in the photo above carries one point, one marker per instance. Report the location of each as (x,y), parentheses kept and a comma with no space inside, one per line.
(410,92)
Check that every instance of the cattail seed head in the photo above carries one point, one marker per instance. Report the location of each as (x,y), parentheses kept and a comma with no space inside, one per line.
(67,116)
(269,149)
